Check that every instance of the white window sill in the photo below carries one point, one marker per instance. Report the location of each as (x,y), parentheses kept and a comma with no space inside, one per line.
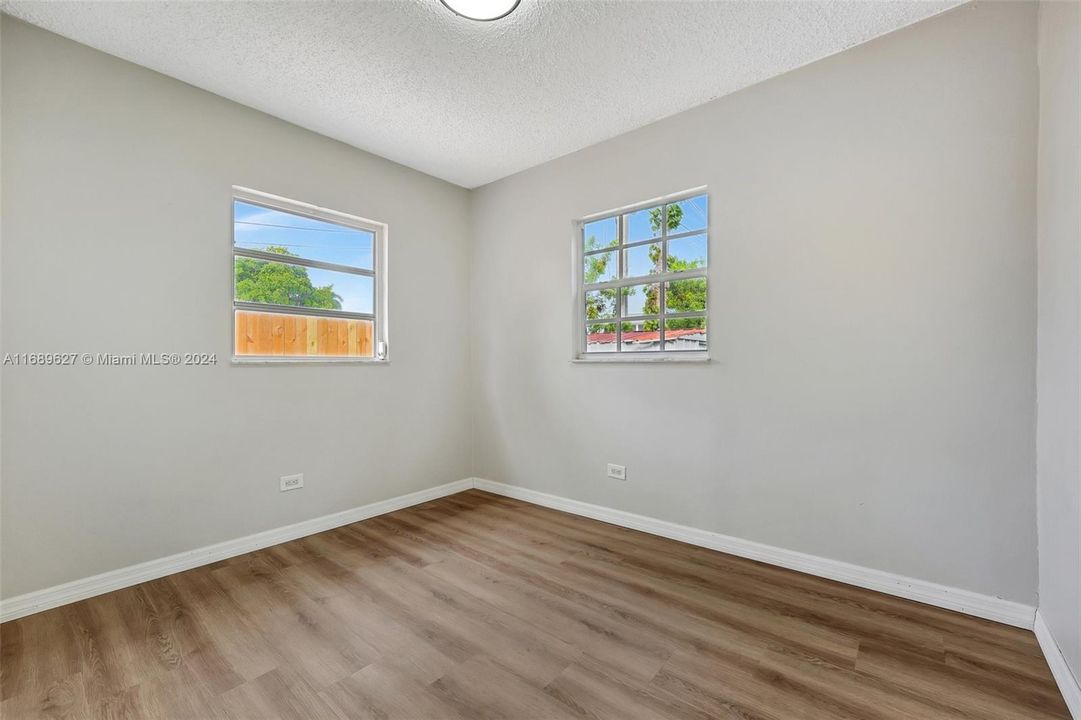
(642,358)
(307,361)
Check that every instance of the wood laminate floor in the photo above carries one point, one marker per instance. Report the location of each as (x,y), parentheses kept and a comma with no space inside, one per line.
(477,606)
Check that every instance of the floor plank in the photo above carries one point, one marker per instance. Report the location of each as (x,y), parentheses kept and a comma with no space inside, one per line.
(479,606)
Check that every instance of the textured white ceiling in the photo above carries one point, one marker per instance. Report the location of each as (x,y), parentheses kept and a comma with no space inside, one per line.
(466,101)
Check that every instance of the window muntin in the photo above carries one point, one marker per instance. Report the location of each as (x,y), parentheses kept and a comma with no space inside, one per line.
(643,282)
(307,282)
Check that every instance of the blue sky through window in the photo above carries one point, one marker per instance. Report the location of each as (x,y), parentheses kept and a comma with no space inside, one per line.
(690,249)
(356,291)
(640,225)
(601,233)
(639,261)
(256,228)
(694,214)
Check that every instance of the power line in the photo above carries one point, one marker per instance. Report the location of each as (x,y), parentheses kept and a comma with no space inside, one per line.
(294,227)
(251,244)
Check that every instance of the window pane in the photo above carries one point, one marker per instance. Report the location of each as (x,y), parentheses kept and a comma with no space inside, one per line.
(600,234)
(641,299)
(643,224)
(674,214)
(601,267)
(278,283)
(282,335)
(600,304)
(685,334)
(642,260)
(601,337)
(276,231)
(687,215)
(685,295)
(687,253)
(642,336)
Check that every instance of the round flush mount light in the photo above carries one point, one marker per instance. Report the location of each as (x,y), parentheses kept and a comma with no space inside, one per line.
(483,10)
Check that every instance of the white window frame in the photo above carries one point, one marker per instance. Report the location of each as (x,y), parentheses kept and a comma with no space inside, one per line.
(378,316)
(578,323)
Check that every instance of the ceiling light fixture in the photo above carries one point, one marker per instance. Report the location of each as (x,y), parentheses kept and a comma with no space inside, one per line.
(483,10)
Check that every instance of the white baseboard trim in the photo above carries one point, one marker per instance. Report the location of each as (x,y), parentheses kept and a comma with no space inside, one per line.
(32,602)
(991,608)
(1068,683)
(964,601)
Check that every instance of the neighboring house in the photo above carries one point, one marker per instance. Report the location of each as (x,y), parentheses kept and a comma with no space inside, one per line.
(644,340)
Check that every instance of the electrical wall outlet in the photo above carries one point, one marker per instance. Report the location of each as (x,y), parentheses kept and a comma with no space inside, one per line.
(292,482)
(619,472)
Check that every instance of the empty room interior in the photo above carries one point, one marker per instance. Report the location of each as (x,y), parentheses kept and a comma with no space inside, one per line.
(540,359)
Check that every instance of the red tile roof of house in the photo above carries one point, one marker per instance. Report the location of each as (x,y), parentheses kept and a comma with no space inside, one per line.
(642,335)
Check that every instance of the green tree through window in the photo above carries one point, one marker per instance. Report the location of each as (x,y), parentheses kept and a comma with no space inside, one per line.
(600,304)
(263,281)
(683,295)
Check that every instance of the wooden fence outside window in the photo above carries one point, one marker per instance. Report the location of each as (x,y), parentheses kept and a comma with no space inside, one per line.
(280,335)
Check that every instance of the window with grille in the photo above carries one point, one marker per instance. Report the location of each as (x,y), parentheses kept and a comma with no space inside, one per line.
(642,281)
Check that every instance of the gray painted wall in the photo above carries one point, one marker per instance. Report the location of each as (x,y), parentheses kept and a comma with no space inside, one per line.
(871,399)
(872,393)
(117,238)
(1059,348)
